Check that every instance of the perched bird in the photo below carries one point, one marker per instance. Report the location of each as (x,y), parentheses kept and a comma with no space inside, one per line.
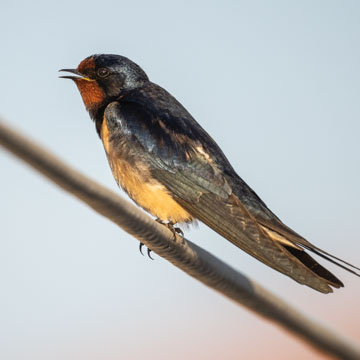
(171,167)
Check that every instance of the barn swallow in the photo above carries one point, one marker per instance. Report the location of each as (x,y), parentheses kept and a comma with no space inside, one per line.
(171,167)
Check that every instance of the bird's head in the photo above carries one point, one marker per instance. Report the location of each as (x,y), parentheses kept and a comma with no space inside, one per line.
(102,78)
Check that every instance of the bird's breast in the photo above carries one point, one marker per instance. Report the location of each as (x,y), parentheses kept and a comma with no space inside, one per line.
(133,174)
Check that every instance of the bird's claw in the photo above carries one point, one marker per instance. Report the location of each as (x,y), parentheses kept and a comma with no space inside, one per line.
(140,248)
(148,251)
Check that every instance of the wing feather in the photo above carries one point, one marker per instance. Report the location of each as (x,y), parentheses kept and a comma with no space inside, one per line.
(229,218)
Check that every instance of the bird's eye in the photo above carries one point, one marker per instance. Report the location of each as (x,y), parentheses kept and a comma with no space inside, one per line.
(103,72)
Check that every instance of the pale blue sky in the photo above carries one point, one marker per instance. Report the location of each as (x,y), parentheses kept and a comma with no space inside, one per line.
(276,83)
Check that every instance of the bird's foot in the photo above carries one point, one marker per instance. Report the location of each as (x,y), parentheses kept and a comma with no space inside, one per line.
(178,231)
(148,251)
(172,228)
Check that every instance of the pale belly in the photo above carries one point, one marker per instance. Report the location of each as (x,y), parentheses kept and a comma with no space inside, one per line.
(147,192)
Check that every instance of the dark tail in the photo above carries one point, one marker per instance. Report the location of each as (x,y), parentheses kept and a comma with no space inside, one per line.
(315,267)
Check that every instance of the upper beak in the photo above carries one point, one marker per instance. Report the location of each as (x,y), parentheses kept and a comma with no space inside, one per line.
(74,71)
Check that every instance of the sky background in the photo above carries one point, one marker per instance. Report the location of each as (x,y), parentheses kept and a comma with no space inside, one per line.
(276,83)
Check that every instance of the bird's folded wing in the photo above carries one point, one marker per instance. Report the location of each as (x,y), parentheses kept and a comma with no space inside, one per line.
(229,218)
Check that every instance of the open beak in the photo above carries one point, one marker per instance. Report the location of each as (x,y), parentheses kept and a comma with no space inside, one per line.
(72,77)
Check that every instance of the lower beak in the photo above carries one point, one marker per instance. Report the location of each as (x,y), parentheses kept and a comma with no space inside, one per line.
(76,77)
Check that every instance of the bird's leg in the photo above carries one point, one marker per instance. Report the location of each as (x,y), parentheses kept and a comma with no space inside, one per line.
(176,230)
(170,226)
(160,221)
